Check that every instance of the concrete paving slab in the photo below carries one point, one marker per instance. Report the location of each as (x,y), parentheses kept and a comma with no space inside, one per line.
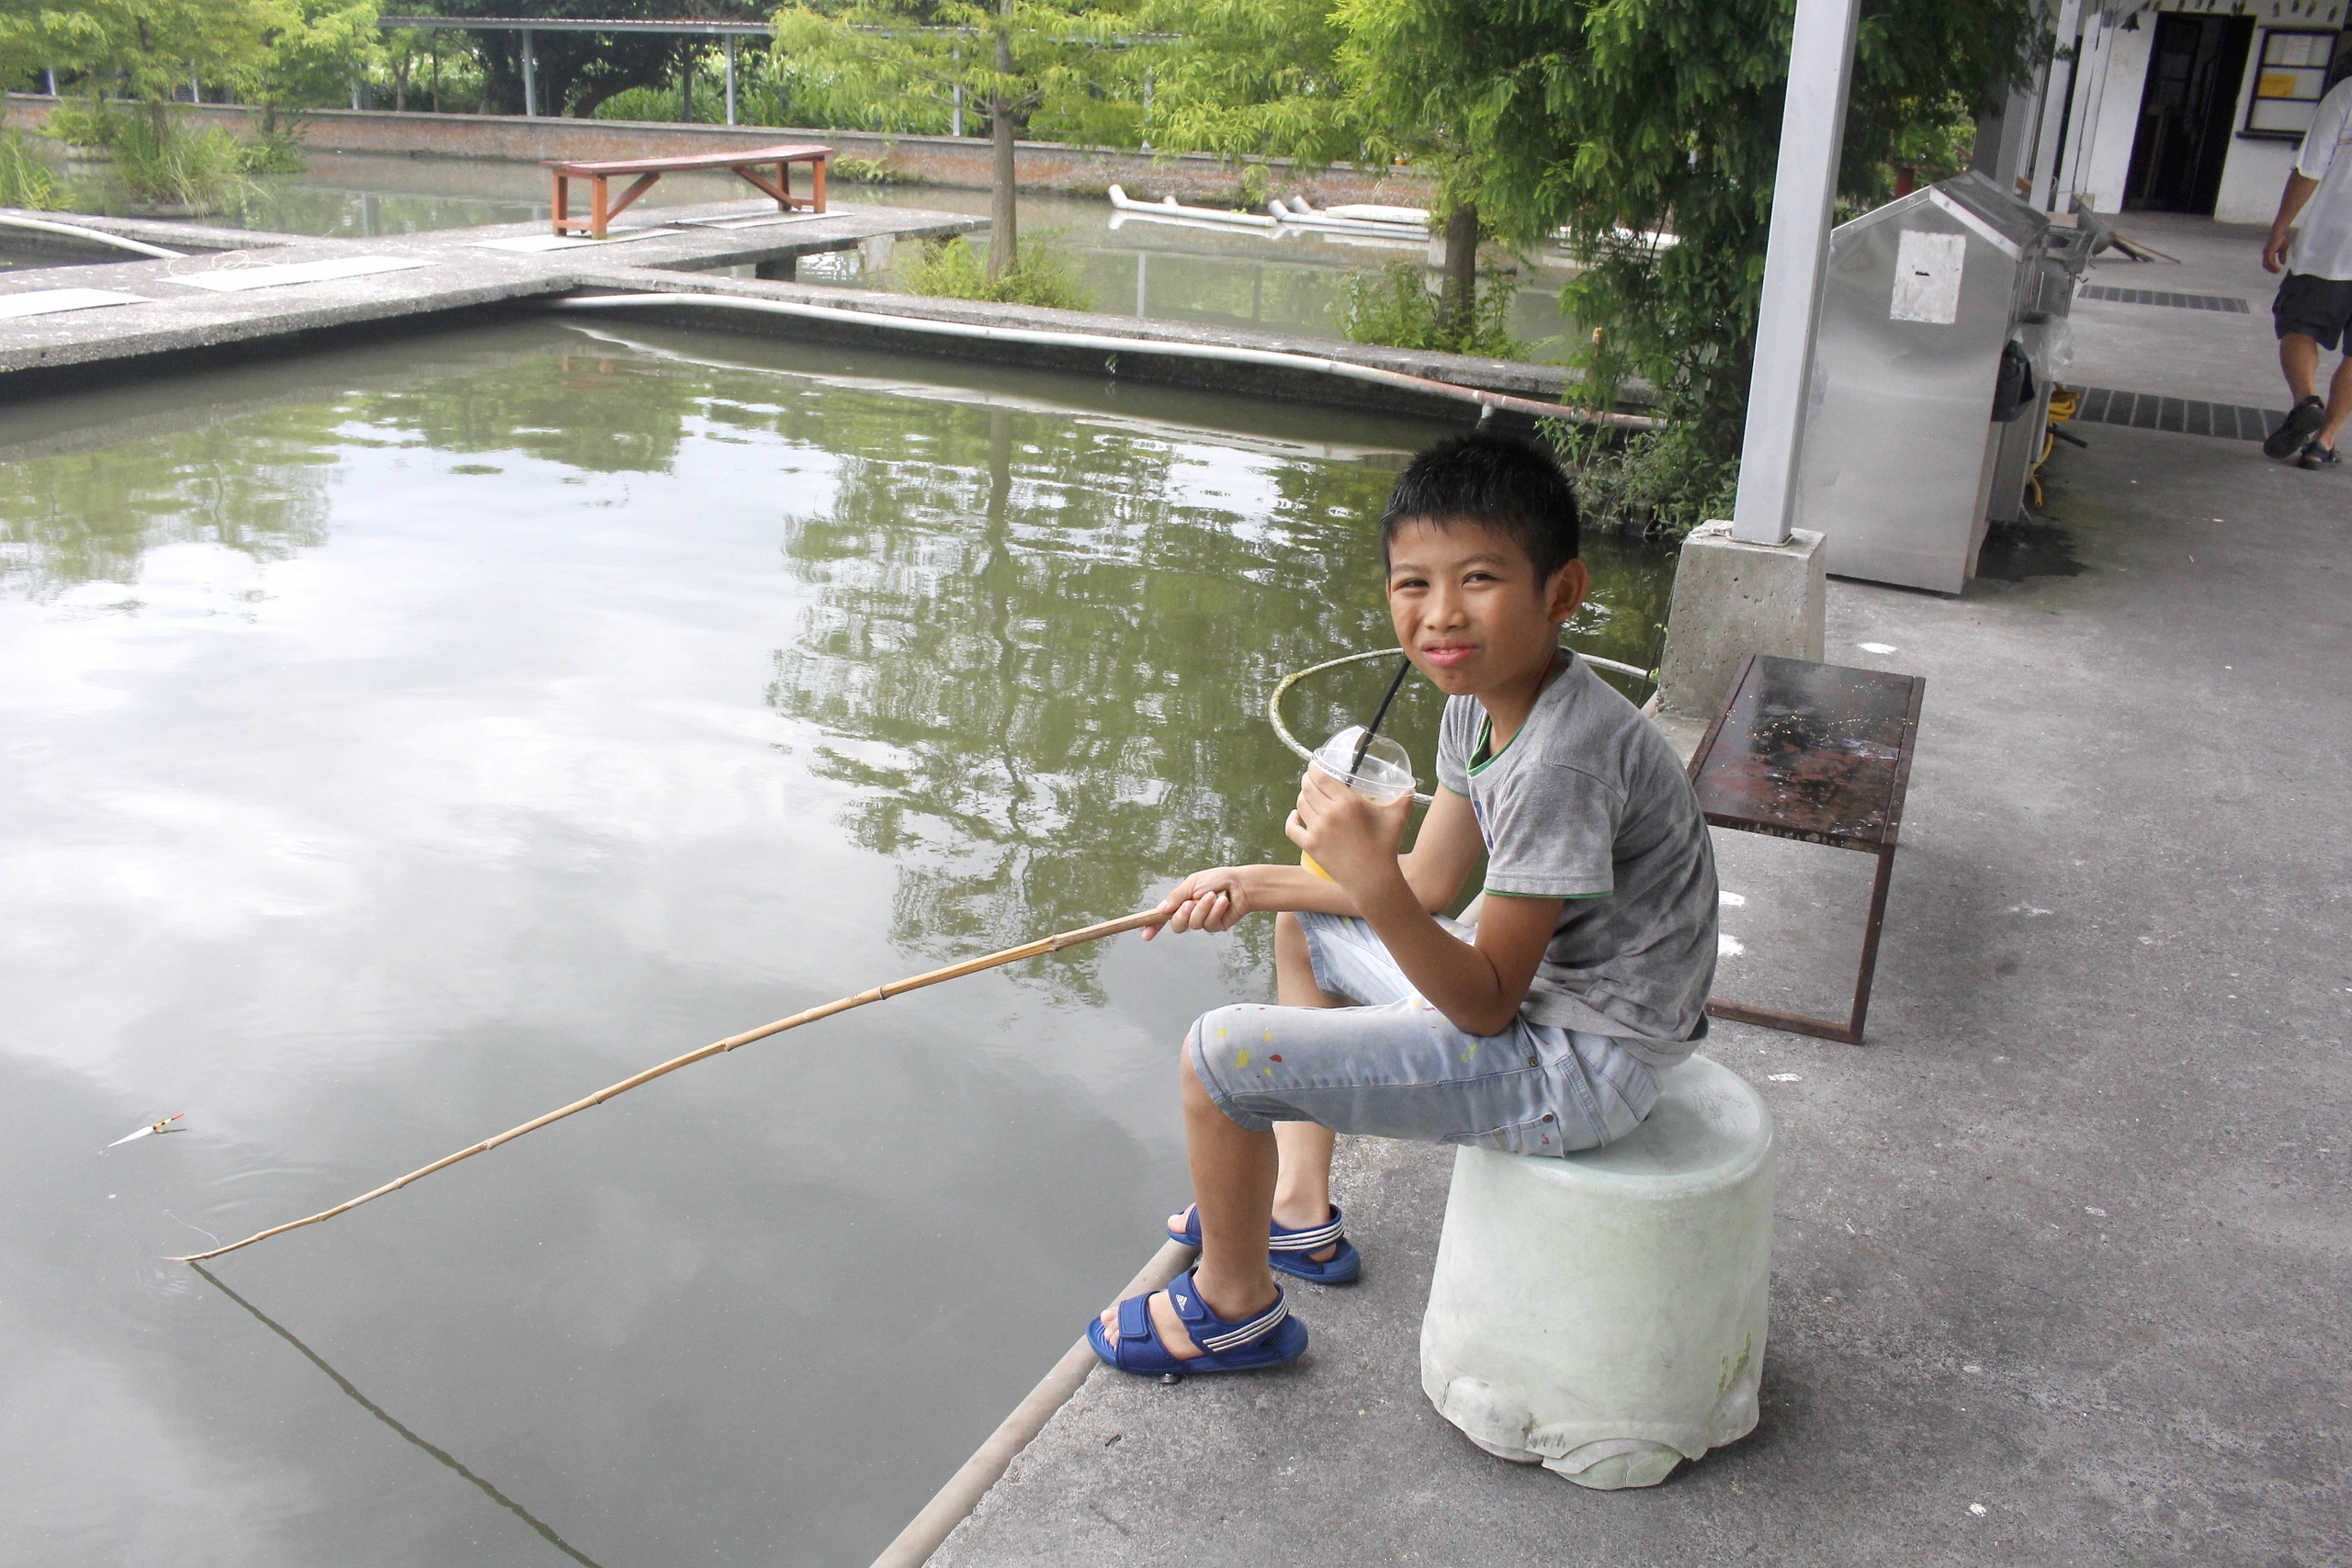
(2180,353)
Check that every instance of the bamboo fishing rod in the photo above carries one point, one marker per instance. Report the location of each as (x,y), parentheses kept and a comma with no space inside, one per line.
(1038,949)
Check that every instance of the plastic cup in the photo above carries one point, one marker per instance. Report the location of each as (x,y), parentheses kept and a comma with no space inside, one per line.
(1385,774)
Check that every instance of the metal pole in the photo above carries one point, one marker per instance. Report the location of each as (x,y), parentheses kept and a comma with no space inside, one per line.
(50,73)
(687,86)
(1143,278)
(1813,133)
(195,90)
(730,78)
(530,79)
(956,116)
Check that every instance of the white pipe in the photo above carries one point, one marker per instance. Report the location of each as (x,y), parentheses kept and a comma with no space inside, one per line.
(99,236)
(1104,344)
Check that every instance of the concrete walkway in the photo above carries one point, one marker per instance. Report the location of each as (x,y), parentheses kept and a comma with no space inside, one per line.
(2062,1252)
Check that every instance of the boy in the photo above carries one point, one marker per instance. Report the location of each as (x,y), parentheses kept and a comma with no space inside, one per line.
(1541,1031)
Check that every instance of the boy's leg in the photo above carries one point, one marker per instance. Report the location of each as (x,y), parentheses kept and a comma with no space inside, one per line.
(1302,1188)
(1233,1186)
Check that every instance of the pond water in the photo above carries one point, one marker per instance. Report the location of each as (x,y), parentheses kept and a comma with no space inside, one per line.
(402,742)
(1133,267)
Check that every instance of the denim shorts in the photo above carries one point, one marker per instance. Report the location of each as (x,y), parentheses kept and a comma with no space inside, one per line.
(1395,1067)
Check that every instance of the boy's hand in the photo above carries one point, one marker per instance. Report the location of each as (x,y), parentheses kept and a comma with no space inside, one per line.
(1348,835)
(1211,900)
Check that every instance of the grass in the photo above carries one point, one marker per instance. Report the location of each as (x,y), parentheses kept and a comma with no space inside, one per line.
(159,161)
(25,180)
(955,269)
(1393,307)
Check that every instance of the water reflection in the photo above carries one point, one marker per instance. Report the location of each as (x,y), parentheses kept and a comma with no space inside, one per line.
(258,488)
(592,696)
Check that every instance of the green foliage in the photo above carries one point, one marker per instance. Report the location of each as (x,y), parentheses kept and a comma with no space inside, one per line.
(1661,482)
(1237,78)
(317,48)
(953,269)
(893,65)
(143,50)
(162,161)
(274,148)
(1615,119)
(869,172)
(96,124)
(25,180)
(1394,306)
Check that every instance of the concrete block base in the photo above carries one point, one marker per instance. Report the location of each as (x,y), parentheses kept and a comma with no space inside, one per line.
(1731,599)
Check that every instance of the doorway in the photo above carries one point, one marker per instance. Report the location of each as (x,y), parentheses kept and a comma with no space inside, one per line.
(2187,113)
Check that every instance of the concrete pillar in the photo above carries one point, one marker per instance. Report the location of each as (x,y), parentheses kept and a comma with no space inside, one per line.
(876,253)
(1804,187)
(1732,598)
(530,78)
(730,78)
(2057,95)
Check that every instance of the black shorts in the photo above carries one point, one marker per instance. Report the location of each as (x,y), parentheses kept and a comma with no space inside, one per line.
(2317,307)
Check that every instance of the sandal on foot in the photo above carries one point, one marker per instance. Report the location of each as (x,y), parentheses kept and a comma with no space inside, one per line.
(2301,421)
(1287,1251)
(2315,455)
(1268,1339)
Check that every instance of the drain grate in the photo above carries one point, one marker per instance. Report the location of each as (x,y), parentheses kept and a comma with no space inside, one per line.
(2183,416)
(2220,302)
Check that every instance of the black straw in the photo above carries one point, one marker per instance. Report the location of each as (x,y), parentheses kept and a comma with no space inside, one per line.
(1378,713)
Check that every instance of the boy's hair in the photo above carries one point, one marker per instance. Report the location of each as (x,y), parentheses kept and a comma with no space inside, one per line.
(1496,482)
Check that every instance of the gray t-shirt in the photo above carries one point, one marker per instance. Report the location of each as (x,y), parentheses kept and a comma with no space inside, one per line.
(1589,802)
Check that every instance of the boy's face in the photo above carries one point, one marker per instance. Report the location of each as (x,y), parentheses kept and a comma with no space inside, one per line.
(1469,610)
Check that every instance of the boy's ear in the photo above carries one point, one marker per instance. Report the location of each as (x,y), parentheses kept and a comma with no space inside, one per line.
(1564,595)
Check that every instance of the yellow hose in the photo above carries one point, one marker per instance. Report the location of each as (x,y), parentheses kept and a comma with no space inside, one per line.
(2063,404)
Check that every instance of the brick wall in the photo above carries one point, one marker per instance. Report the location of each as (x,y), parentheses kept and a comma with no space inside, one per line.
(928,159)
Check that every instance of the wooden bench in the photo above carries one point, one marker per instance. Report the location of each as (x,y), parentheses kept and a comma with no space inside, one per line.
(1821,753)
(602,209)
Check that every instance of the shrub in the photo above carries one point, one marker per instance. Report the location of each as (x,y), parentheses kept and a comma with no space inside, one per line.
(955,269)
(161,161)
(1661,482)
(91,125)
(25,180)
(869,172)
(1394,307)
(274,149)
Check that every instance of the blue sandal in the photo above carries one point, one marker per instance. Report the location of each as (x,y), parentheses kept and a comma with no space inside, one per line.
(1269,1340)
(1287,1251)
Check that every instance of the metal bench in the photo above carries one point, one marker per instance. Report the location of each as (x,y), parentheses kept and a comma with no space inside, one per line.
(1821,753)
(602,209)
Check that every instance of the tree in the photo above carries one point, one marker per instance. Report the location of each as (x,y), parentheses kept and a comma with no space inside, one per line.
(897,65)
(573,71)
(1291,79)
(317,50)
(143,50)
(1620,118)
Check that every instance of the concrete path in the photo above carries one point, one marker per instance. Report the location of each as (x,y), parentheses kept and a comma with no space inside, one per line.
(2217,355)
(460,268)
(2062,1252)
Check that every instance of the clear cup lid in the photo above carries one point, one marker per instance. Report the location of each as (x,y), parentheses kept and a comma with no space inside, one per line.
(1385,772)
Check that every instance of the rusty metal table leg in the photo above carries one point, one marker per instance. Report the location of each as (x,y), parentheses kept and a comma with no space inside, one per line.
(1851,1032)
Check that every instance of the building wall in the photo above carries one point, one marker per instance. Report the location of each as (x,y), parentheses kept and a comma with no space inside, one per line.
(2106,161)
(2254,169)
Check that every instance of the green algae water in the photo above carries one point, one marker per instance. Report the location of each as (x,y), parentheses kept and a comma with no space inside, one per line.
(401,742)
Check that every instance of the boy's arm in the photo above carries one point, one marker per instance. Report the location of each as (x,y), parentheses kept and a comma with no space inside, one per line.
(1438,864)
(1480,988)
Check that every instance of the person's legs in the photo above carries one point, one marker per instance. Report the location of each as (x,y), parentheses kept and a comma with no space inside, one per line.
(1303,1189)
(2339,400)
(1233,1186)
(2299,358)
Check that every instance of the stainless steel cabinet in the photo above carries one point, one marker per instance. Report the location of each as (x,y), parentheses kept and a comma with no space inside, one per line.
(1901,452)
